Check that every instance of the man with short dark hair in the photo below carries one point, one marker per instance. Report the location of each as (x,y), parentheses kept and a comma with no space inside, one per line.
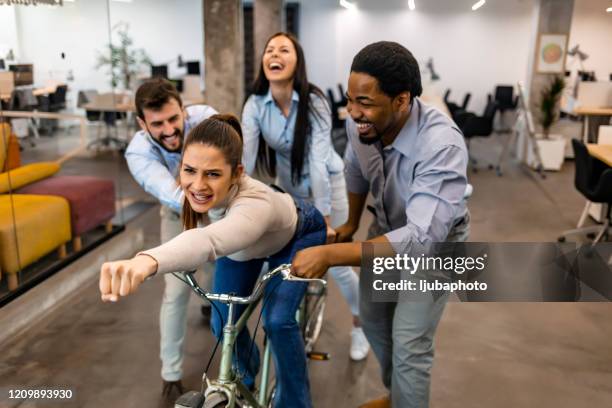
(413,160)
(154,156)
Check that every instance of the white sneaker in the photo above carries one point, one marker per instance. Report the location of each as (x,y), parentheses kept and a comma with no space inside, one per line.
(359,344)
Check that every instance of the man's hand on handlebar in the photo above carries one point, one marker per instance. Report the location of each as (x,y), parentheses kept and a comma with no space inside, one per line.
(120,278)
(311,262)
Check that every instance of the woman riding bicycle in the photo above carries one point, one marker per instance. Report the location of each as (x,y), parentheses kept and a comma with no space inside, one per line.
(287,131)
(241,223)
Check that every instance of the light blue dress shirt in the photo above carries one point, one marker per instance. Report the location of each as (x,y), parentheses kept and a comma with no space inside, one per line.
(418,182)
(262,116)
(156,169)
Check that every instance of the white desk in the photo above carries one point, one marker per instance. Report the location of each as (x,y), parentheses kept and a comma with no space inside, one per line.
(587,112)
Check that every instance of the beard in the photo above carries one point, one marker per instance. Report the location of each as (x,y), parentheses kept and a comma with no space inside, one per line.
(370,140)
(161,144)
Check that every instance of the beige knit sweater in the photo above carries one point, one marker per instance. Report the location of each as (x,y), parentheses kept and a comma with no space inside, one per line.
(254,222)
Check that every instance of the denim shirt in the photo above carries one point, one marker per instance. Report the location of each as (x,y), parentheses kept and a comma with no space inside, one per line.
(262,116)
(156,169)
(418,182)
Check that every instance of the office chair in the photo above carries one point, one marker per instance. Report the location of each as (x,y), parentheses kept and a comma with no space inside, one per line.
(337,123)
(473,125)
(506,101)
(23,100)
(57,100)
(343,99)
(454,108)
(446,95)
(587,76)
(593,179)
(338,133)
(106,119)
(93,117)
(53,102)
(504,96)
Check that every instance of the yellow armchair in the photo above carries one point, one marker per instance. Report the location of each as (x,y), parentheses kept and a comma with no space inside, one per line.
(31,226)
(41,225)
(14,178)
(22,176)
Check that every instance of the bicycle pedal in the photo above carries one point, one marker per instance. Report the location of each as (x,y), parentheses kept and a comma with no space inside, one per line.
(318,355)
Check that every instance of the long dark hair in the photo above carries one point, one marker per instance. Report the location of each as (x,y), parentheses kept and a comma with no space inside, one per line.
(266,157)
(224,133)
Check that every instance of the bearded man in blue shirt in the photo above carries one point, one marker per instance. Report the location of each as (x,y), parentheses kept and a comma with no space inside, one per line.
(413,160)
(153,157)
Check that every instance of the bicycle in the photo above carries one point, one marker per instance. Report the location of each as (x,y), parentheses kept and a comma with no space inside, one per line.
(228,390)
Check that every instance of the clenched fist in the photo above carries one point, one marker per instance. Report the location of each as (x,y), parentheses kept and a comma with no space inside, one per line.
(120,278)
(310,262)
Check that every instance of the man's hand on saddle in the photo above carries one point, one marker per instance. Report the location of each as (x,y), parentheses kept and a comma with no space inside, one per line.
(121,278)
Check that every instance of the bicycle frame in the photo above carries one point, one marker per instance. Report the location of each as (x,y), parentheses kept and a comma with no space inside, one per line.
(227,383)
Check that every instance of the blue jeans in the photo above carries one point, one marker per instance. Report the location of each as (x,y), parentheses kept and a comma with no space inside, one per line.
(280,303)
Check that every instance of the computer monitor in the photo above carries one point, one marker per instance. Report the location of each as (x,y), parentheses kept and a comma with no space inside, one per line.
(24,74)
(587,76)
(159,71)
(595,94)
(193,67)
(178,83)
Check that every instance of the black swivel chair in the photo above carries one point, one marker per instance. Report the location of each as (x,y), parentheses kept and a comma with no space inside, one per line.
(343,99)
(504,96)
(337,123)
(473,125)
(587,76)
(593,179)
(54,102)
(454,108)
(24,100)
(338,133)
(506,101)
(446,95)
(57,100)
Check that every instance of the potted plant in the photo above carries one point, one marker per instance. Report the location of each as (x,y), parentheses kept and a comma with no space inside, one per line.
(124,61)
(551,146)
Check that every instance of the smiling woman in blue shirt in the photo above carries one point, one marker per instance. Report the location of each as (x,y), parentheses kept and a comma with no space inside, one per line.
(287,134)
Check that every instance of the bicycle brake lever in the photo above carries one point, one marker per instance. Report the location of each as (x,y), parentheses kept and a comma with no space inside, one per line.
(288,276)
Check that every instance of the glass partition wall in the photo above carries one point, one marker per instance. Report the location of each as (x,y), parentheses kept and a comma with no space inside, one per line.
(64,185)
(68,75)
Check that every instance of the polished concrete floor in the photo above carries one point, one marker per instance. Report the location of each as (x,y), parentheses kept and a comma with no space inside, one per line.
(487,354)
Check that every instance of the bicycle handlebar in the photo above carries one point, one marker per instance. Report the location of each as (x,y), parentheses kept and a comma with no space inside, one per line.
(284,270)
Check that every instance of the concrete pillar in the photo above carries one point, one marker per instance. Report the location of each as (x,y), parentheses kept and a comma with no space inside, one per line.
(224,55)
(550,17)
(268,18)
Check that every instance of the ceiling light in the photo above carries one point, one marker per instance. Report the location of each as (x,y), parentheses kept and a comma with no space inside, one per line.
(609,10)
(348,5)
(411,5)
(478,5)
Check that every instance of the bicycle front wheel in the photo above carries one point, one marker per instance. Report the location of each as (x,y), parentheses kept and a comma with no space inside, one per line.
(215,400)
(315,308)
